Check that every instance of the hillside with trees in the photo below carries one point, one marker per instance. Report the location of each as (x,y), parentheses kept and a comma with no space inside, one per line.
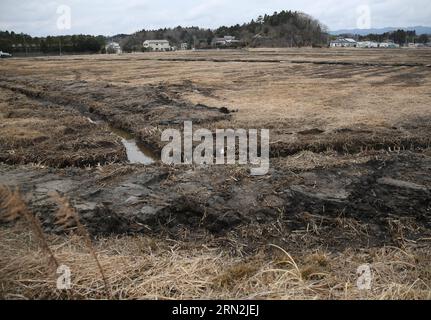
(281,29)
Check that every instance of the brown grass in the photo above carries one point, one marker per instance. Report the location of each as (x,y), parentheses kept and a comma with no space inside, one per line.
(374,102)
(68,217)
(143,268)
(294,97)
(13,207)
(30,131)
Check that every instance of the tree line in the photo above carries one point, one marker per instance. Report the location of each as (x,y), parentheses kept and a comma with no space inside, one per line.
(22,43)
(400,37)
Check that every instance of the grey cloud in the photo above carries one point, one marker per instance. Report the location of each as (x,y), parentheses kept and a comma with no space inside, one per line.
(39,17)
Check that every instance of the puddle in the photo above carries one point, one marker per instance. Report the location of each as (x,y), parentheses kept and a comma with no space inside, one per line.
(136,152)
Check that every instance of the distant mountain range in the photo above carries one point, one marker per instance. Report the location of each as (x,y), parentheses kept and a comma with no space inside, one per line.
(363,32)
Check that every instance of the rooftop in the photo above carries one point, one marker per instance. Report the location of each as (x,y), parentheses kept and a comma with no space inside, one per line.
(156,41)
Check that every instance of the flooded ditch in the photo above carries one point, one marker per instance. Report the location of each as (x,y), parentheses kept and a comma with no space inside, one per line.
(137,153)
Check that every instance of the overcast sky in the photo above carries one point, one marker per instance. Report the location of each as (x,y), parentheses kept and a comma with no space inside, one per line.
(109,17)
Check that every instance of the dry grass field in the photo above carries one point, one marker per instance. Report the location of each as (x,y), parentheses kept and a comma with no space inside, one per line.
(349,182)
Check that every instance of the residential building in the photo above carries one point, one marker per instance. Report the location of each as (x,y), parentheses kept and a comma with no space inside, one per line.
(113,47)
(343,42)
(389,44)
(226,41)
(157,45)
(367,44)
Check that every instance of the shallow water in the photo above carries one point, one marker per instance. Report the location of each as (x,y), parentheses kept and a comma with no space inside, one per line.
(136,152)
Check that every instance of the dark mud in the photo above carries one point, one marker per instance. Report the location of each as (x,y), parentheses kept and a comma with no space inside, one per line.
(352,140)
(283,60)
(360,204)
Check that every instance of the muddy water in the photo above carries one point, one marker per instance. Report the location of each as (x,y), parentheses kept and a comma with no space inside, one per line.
(136,152)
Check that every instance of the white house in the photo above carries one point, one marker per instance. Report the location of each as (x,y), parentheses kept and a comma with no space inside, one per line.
(157,45)
(343,42)
(416,45)
(225,41)
(389,44)
(113,47)
(367,44)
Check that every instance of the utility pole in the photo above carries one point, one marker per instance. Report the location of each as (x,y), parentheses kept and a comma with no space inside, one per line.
(59,45)
(25,45)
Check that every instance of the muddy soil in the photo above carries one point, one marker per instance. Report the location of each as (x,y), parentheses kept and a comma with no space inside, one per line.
(348,186)
(33,131)
(144,111)
(381,201)
(355,139)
